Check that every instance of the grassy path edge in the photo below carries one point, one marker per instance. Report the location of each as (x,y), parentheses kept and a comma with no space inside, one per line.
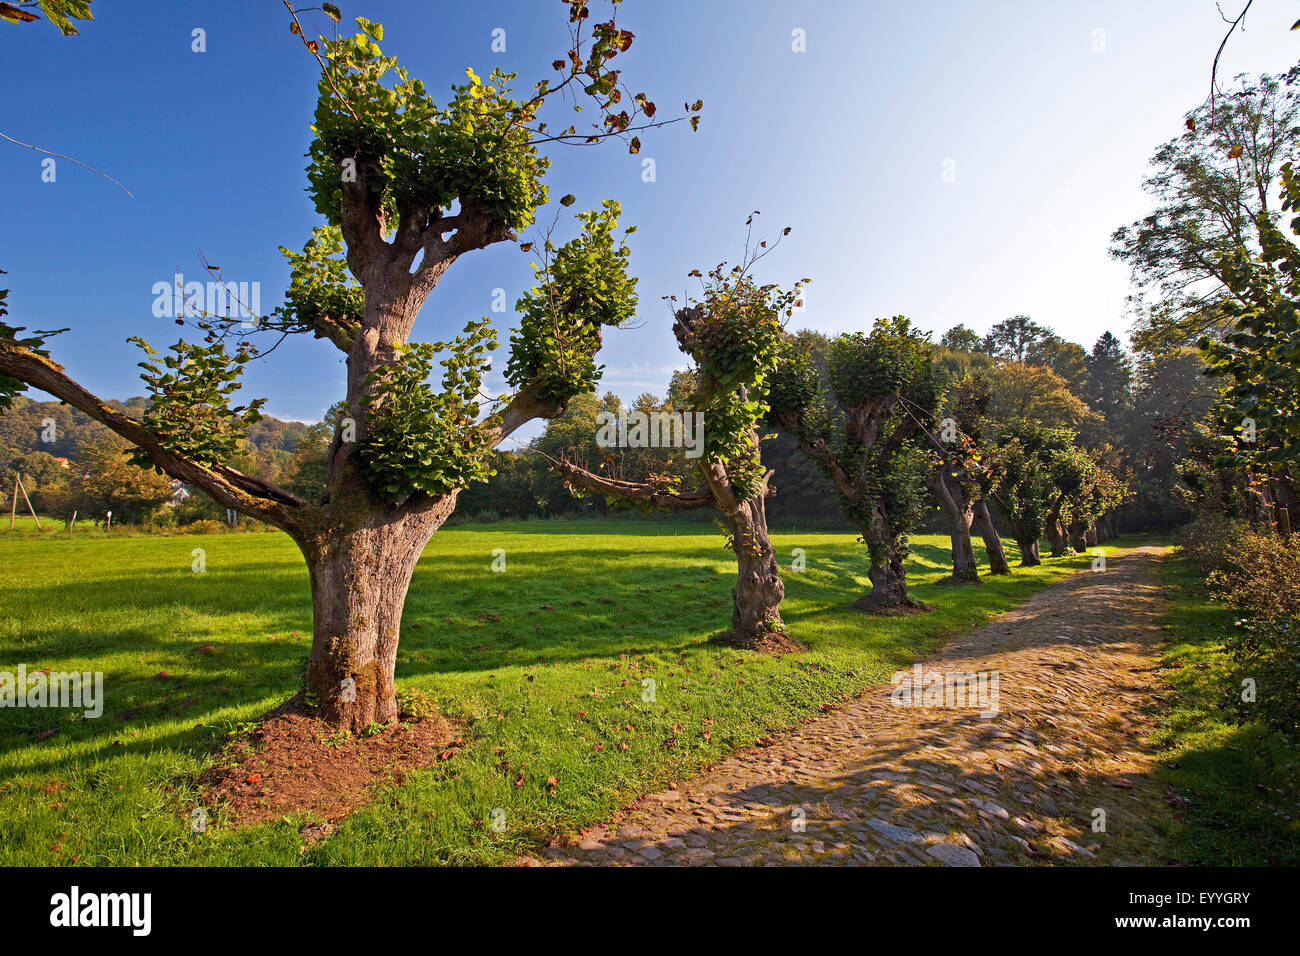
(1232,789)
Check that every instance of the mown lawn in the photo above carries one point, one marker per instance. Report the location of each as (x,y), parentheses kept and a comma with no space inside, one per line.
(588,610)
(1236,786)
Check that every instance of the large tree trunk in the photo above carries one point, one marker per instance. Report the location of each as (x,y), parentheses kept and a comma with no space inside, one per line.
(888,577)
(1028,552)
(756,598)
(359,580)
(983,522)
(1057,537)
(1078,534)
(888,586)
(958,511)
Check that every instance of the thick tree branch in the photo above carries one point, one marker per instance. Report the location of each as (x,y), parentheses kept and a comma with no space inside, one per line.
(724,496)
(341,333)
(412,226)
(228,486)
(474,229)
(362,223)
(820,452)
(639,492)
(470,230)
(523,408)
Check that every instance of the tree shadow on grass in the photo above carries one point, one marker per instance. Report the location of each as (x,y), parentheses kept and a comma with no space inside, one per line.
(650,602)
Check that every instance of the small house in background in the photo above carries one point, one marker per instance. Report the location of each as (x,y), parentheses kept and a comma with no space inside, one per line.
(179,491)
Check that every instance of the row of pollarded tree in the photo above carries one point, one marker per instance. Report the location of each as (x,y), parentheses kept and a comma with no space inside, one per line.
(879,418)
(387,168)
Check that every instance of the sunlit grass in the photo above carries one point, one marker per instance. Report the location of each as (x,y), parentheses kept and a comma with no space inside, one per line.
(589,610)
(1237,783)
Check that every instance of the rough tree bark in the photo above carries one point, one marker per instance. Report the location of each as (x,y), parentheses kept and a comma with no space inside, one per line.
(960,512)
(1057,539)
(983,522)
(888,586)
(1055,529)
(1028,552)
(359,581)
(888,577)
(1077,533)
(756,598)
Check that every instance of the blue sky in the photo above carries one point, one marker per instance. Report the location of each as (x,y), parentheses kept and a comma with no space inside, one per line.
(1048,124)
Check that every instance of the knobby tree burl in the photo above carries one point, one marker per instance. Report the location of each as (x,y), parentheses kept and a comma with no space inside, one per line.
(732,335)
(888,390)
(406,187)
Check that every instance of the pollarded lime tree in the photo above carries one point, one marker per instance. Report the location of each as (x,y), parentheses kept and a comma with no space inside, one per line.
(1046,481)
(406,188)
(1025,490)
(965,475)
(732,334)
(1051,485)
(1086,512)
(873,446)
(1072,473)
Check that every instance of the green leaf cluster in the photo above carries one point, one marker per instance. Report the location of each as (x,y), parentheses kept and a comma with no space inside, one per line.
(417,440)
(1259,360)
(734,337)
(583,286)
(320,286)
(409,152)
(190,410)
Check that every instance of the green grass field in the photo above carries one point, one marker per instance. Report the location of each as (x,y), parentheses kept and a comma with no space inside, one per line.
(588,610)
(1238,784)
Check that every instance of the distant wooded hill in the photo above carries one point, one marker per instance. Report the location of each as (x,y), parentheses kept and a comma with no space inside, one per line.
(23,430)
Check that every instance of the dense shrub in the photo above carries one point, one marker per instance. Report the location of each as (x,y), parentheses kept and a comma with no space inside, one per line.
(1268,653)
(1254,571)
(1205,541)
(1257,574)
(206,526)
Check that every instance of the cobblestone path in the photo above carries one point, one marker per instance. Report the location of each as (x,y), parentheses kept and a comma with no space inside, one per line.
(878,784)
